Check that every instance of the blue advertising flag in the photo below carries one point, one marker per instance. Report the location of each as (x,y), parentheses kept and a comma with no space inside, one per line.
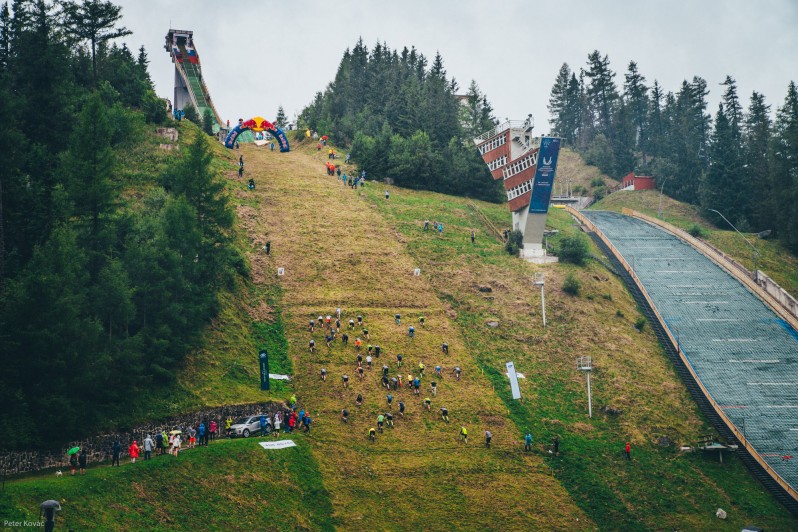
(263,358)
(544,175)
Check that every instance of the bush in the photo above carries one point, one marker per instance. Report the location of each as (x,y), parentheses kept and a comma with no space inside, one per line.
(514,242)
(597,182)
(697,231)
(190,113)
(640,324)
(573,249)
(571,285)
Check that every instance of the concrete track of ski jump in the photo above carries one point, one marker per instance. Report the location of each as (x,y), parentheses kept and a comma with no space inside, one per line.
(742,353)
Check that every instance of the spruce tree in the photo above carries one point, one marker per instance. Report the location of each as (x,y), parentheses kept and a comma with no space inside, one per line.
(281,120)
(636,95)
(763,192)
(719,184)
(94,21)
(785,167)
(558,100)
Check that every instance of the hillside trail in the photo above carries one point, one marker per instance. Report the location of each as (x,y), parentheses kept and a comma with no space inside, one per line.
(338,252)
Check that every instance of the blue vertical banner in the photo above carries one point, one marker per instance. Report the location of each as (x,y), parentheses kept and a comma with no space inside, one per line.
(544,174)
(263,357)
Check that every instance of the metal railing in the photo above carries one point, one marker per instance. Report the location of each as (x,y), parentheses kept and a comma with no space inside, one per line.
(504,126)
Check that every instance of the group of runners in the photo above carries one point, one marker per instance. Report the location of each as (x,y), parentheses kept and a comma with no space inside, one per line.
(372,359)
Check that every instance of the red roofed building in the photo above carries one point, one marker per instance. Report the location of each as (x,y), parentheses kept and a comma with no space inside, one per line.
(638,182)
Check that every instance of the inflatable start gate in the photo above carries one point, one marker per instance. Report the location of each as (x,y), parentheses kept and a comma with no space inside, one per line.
(257,124)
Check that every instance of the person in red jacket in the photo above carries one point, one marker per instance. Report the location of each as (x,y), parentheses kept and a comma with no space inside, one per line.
(628,451)
(134,451)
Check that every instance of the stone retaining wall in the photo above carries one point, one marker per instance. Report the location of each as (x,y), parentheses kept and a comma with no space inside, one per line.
(100,446)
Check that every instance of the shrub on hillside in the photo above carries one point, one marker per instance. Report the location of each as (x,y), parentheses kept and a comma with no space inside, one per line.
(514,242)
(697,231)
(571,285)
(597,182)
(573,249)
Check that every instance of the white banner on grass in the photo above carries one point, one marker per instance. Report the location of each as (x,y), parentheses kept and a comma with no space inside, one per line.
(279,377)
(279,444)
(513,380)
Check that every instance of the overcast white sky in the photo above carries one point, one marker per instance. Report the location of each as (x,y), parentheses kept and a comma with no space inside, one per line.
(258,55)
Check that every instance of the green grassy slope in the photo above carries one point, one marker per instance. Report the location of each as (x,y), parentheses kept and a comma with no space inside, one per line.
(231,484)
(631,374)
(355,250)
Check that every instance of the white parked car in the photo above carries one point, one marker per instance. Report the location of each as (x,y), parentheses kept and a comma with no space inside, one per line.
(246,426)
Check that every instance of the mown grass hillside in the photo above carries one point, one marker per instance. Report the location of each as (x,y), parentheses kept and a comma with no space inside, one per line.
(231,484)
(356,250)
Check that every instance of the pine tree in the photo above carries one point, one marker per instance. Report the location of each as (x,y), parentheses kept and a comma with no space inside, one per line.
(718,186)
(5,36)
(558,100)
(89,169)
(762,192)
(93,21)
(602,93)
(785,167)
(574,111)
(477,114)
(281,119)
(636,94)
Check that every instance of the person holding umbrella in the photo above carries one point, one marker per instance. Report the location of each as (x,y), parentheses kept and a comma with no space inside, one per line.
(73,458)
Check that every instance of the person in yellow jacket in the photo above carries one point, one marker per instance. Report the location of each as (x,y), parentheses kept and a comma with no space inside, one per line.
(464,434)
(227,424)
(372,434)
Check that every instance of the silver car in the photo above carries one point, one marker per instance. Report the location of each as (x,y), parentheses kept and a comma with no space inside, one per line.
(249,425)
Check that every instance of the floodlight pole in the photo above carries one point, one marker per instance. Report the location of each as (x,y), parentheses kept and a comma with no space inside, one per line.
(584,364)
(659,209)
(756,253)
(589,398)
(540,281)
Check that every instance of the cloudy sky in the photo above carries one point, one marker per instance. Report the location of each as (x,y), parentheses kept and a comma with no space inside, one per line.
(257,55)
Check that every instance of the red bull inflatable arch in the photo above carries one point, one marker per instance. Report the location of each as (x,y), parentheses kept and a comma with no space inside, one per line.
(257,125)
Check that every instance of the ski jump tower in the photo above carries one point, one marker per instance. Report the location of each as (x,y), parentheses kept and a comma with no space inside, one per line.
(513,154)
(190,87)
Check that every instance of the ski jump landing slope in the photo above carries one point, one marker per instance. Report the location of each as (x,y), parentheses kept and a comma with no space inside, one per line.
(740,351)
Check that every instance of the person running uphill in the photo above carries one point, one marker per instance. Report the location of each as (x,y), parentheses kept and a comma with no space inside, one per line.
(488,437)
(444,414)
(528,442)
(428,403)
(345,378)
(463,434)
(372,434)
(380,421)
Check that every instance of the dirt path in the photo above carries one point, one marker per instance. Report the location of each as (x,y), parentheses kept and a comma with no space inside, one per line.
(337,252)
